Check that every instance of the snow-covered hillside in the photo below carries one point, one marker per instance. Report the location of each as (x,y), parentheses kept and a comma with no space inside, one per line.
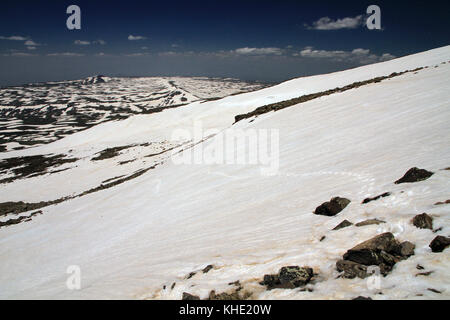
(115,201)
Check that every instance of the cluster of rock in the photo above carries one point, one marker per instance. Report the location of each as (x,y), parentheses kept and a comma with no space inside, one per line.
(379,253)
(383,251)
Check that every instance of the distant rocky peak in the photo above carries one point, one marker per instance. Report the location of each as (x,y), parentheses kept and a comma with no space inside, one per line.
(95,79)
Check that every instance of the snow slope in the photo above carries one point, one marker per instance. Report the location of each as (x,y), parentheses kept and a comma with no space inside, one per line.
(152,231)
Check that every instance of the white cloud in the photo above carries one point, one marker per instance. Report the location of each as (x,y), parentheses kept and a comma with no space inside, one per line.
(31,43)
(82,43)
(87,43)
(258,51)
(326,23)
(99,41)
(31,48)
(361,51)
(387,56)
(137,54)
(65,54)
(14,38)
(19,54)
(134,38)
(362,56)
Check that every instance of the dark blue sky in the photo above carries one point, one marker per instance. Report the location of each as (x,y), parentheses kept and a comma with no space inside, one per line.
(252,40)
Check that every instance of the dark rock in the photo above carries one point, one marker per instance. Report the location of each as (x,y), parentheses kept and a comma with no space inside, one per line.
(288,278)
(235,283)
(224,296)
(271,281)
(425,274)
(423,221)
(383,251)
(415,175)
(369,222)
(12,222)
(442,202)
(351,269)
(332,207)
(343,224)
(322,238)
(438,229)
(365,256)
(367,200)
(361,298)
(207,268)
(190,275)
(407,249)
(188,296)
(385,242)
(419,267)
(434,290)
(295,276)
(439,244)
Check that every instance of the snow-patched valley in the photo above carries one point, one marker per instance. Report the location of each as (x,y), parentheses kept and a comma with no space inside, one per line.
(150,234)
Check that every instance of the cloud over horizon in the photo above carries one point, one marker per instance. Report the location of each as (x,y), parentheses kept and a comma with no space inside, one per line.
(135,38)
(359,55)
(14,38)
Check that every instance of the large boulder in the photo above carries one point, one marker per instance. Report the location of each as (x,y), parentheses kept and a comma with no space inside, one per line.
(423,221)
(332,207)
(383,251)
(383,242)
(414,175)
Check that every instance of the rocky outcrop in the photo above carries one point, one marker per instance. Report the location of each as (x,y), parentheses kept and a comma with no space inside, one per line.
(288,278)
(332,207)
(439,244)
(423,221)
(383,251)
(415,175)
